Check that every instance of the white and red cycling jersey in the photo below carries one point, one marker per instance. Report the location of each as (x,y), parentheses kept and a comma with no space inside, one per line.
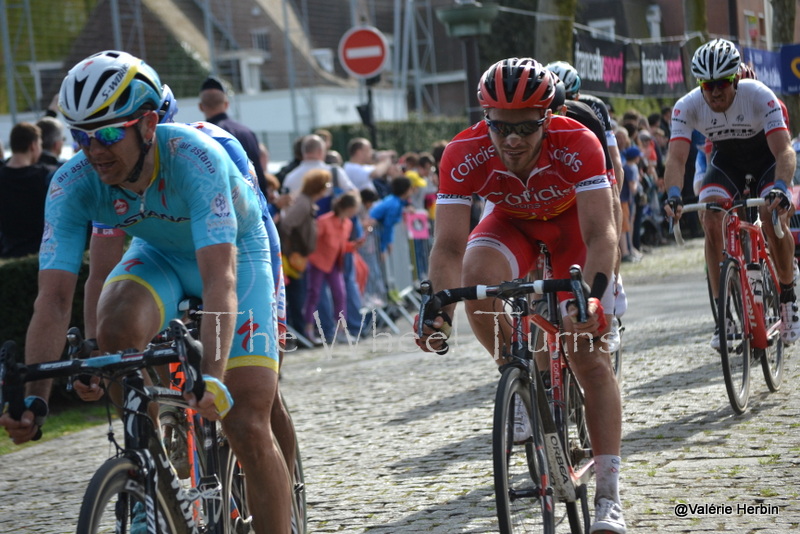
(738,137)
(571,161)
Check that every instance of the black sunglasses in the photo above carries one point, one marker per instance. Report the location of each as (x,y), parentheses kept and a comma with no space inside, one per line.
(522,129)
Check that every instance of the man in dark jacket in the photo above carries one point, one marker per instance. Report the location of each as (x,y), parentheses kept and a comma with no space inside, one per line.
(214,105)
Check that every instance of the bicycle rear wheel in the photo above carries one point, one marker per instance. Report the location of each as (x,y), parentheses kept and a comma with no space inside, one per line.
(734,344)
(772,356)
(299,511)
(520,469)
(234,491)
(115,502)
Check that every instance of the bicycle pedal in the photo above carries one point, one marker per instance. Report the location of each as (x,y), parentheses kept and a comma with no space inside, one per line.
(299,488)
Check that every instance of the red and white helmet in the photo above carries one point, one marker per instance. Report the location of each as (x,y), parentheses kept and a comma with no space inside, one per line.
(516,83)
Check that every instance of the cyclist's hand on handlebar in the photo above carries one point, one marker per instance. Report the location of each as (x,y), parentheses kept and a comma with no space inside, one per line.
(216,401)
(29,424)
(596,322)
(435,333)
(19,431)
(89,392)
(778,199)
(674,204)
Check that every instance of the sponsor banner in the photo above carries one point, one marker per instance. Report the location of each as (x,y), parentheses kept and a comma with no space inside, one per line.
(662,70)
(600,64)
(790,69)
(767,66)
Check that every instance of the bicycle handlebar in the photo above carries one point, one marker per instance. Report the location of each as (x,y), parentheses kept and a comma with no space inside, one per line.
(725,206)
(431,304)
(14,375)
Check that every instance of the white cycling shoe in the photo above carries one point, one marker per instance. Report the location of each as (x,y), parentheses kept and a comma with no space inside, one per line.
(790,322)
(608,517)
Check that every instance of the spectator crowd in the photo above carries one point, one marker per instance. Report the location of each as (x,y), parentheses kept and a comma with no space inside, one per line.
(338,218)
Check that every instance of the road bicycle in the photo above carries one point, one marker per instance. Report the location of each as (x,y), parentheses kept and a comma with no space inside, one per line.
(137,490)
(555,463)
(179,429)
(748,311)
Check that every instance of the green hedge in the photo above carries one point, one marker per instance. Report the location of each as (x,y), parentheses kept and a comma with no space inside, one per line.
(18,288)
(407,136)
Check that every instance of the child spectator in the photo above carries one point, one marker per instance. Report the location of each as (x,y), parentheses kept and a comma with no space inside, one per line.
(389,211)
(326,262)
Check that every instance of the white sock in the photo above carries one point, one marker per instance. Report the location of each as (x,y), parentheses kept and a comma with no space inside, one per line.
(607,468)
(620,297)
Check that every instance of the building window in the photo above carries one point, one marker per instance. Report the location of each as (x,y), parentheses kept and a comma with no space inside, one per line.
(260,39)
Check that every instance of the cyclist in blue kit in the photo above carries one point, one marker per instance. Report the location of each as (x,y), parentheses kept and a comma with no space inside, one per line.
(197,229)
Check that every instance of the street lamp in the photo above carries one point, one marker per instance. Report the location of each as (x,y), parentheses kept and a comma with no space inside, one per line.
(468,20)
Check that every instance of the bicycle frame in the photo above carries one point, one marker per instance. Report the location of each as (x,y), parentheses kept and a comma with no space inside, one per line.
(553,416)
(139,431)
(562,481)
(734,228)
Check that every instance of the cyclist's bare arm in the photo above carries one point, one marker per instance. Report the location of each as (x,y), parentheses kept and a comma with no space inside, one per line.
(599,233)
(785,160)
(616,162)
(674,168)
(447,254)
(217,264)
(104,254)
(51,314)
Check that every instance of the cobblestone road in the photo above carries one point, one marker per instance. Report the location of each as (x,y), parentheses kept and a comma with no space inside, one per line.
(394,440)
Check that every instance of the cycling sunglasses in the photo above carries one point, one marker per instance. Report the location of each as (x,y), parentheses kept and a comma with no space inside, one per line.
(721,83)
(522,129)
(106,135)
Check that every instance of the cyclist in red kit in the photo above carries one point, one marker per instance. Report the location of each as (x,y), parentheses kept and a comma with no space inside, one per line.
(544,179)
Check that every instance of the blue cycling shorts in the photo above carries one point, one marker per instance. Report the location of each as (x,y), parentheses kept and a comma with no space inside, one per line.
(171,279)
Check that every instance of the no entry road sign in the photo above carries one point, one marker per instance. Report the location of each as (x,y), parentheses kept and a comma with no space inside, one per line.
(363,51)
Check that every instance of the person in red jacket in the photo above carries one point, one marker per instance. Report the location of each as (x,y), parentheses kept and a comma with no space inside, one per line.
(325,263)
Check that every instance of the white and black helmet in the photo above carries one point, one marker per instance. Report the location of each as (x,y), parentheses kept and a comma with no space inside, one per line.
(567,74)
(106,86)
(716,59)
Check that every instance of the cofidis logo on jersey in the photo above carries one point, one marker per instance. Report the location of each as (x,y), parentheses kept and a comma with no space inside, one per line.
(471,162)
(570,159)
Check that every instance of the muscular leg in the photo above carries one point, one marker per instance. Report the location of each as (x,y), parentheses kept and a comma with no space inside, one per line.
(248,429)
(283,430)
(712,226)
(127,318)
(485,265)
(603,405)
(781,250)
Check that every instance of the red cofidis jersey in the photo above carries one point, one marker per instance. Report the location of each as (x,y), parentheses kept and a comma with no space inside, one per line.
(571,161)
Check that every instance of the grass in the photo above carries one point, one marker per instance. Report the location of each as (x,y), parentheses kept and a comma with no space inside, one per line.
(60,423)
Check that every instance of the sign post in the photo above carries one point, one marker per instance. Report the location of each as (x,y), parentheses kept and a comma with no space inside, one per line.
(363,54)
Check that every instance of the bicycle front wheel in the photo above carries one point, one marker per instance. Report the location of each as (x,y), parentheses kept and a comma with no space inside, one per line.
(520,466)
(772,356)
(115,502)
(578,449)
(734,344)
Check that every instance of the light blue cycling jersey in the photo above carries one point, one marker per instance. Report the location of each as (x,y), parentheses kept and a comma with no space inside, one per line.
(198,197)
